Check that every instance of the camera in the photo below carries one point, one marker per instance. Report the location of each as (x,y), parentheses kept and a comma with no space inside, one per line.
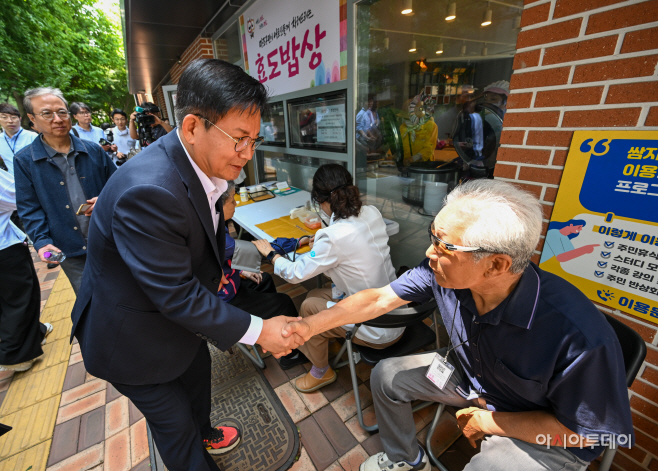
(145,120)
(107,128)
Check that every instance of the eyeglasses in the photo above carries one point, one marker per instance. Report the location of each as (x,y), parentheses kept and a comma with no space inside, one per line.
(447,246)
(49,115)
(242,143)
(9,117)
(83,113)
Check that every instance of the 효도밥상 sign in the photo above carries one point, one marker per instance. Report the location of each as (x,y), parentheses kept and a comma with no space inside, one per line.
(603,234)
(291,45)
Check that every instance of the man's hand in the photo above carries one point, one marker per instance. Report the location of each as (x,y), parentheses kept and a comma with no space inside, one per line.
(113,147)
(106,148)
(91,208)
(263,246)
(255,277)
(468,422)
(299,328)
(157,119)
(47,248)
(120,155)
(271,339)
(133,116)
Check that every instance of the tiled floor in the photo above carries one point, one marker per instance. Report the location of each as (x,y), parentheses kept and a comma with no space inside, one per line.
(96,428)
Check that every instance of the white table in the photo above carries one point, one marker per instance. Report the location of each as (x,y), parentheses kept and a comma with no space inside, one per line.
(257,213)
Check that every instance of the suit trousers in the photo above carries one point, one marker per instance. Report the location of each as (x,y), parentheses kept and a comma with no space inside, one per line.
(21,332)
(178,414)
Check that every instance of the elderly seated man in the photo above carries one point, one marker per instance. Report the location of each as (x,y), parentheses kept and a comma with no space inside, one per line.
(529,355)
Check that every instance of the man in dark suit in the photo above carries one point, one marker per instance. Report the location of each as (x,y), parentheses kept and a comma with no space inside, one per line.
(148,301)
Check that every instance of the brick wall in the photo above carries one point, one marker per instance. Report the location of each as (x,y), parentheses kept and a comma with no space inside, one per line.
(585,64)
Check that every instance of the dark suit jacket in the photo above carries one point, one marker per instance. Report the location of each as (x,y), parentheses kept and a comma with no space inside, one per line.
(148,295)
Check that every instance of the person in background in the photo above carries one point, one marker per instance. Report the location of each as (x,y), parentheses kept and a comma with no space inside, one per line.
(14,137)
(254,293)
(158,129)
(20,294)
(55,176)
(122,139)
(87,131)
(353,251)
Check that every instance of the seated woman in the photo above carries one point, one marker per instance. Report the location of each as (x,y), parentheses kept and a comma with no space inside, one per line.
(353,251)
(255,293)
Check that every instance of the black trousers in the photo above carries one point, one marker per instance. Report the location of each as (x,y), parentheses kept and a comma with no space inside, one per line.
(21,332)
(178,414)
(262,300)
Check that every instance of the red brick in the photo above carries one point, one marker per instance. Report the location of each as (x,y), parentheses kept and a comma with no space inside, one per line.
(546,210)
(618,117)
(139,446)
(639,92)
(549,138)
(519,100)
(540,78)
(652,356)
(505,171)
(535,259)
(645,390)
(117,452)
(569,97)
(646,442)
(572,7)
(535,15)
(549,34)
(550,195)
(540,175)
(653,465)
(646,332)
(648,427)
(631,15)
(560,157)
(511,137)
(617,69)
(626,464)
(526,59)
(524,156)
(652,117)
(580,50)
(532,189)
(532,120)
(634,452)
(641,40)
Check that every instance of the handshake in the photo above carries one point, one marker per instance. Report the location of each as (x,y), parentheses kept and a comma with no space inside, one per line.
(281,335)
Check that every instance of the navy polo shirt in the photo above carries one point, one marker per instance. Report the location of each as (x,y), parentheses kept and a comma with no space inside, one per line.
(545,347)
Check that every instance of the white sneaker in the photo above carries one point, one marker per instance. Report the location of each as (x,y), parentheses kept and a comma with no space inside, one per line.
(49,329)
(26,365)
(380,462)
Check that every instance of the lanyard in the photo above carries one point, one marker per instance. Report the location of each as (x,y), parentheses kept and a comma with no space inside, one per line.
(15,142)
(454,314)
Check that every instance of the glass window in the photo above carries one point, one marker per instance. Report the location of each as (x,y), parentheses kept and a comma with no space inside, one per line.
(430,100)
(318,122)
(273,126)
(297,170)
(227,46)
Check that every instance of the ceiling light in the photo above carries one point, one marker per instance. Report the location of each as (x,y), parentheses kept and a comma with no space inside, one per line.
(440,48)
(452,11)
(386,43)
(486,19)
(406,7)
(413,46)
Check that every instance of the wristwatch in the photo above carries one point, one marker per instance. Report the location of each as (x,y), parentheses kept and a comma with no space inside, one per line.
(270,256)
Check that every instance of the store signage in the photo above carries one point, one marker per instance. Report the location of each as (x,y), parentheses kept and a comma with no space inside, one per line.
(603,234)
(291,45)
(330,121)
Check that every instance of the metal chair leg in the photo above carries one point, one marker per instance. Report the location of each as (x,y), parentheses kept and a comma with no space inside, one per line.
(255,358)
(606,461)
(355,386)
(428,441)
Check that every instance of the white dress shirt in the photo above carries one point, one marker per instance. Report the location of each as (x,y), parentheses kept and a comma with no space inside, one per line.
(9,233)
(214,187)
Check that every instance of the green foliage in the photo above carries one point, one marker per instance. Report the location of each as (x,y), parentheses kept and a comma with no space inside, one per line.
(68,44)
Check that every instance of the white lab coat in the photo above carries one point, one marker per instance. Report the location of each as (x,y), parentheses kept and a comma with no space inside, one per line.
(354,253)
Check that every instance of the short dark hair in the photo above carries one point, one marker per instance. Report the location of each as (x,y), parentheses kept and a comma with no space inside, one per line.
(332,183)
(6,108)
(118,111)
(213,87)
(78,106)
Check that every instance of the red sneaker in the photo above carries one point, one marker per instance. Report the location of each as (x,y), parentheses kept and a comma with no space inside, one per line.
(222,440)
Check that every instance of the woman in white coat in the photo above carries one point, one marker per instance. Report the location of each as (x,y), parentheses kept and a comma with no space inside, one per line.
(353,251)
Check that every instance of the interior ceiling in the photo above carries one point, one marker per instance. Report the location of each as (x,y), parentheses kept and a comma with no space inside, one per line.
(157,32)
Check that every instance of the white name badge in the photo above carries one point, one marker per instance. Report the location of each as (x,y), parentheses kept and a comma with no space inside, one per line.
(439,371)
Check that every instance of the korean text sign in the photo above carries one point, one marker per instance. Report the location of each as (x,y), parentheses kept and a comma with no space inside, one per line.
(291,45)
(603,234)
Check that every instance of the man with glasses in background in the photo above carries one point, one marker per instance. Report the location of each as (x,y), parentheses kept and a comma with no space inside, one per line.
(122,139)
(529,356)
(58,180)
(14,137)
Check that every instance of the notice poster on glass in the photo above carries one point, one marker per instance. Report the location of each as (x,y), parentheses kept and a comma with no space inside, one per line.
(331,123)
(603,234)
(292,45)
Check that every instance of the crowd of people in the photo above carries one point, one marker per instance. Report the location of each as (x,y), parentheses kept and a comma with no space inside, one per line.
(150,258)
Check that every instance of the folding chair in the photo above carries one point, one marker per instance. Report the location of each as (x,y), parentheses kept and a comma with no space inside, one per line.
(634,350)
(416,335)
(255,358)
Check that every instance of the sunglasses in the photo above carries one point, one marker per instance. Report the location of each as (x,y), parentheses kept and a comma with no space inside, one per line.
(440,244)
